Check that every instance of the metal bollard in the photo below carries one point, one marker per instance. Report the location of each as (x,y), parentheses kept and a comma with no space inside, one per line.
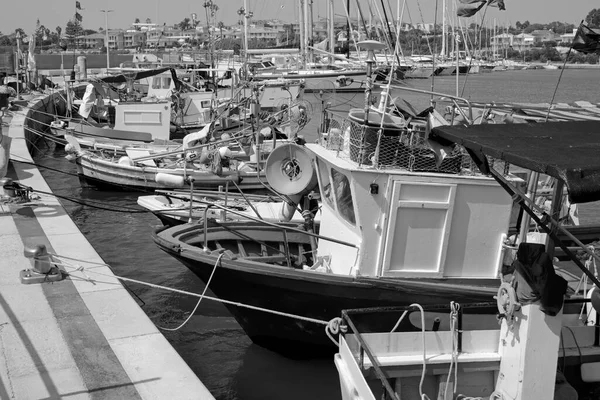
(43,269)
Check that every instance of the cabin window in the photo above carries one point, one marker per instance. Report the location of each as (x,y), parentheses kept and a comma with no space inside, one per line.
(343,196)
(156,83)
(326,186)
(205,103)
(166,83)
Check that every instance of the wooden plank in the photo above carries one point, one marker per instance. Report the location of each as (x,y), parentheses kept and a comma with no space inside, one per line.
(241,249)
(263,250)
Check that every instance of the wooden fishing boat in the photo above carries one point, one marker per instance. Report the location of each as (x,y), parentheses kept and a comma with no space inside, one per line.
(207,166)
(405,218)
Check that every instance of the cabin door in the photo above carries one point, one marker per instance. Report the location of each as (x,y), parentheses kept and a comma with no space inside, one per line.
(418,229)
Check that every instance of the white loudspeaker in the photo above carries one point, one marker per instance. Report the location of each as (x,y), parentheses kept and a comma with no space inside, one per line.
(290,170)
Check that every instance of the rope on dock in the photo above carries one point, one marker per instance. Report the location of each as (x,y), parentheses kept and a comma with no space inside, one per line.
(81,268)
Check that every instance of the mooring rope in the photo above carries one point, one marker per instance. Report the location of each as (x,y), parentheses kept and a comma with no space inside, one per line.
(199,300)
(82,269)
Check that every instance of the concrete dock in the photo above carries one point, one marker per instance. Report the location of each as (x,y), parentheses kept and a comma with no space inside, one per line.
(75,338)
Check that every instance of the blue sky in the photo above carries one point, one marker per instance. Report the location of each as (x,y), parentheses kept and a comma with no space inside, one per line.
(24,13)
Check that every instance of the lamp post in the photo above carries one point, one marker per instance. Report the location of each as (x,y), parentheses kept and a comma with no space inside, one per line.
(106,31)
(18,37)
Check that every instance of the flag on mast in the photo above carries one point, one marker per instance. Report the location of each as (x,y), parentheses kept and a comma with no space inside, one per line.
(468,8)
(586,40)
(77,5)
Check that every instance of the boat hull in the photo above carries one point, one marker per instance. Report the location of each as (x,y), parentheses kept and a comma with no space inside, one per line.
(316,81)
(309,294)
(108,174)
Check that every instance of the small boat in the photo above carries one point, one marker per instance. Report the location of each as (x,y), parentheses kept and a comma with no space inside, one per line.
(206,166)
(174,207)
(550,66)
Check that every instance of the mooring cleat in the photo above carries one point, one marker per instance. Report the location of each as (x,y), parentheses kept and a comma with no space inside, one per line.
(43,269)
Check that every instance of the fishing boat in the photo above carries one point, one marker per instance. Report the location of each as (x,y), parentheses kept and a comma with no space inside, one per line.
(203,160)
(404,219)
(392,231)
(175,208)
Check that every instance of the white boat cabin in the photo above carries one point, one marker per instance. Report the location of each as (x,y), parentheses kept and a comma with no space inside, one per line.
(408,216)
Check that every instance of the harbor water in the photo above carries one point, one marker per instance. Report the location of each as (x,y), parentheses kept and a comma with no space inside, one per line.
(212,343)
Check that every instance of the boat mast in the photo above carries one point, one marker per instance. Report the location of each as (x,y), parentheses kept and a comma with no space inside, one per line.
(302,33)
(443,52)
(348,29)
(246,31)
(495,41)
(331,31)
(309,30)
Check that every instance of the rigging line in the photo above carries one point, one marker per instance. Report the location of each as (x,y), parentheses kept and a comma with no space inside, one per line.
(351,35)
(436,52)
(362,18)
(273,224)
(560,76)
(84,203)
(40,165)
(387,22)
(234,303)
(471,61)
(423,21)
(386,38)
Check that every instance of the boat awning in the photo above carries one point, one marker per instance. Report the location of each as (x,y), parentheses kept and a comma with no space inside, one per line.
(136,75)
(569,151)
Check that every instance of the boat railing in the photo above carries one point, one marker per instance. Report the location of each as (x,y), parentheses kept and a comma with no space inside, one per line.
(351,318)
(404,146)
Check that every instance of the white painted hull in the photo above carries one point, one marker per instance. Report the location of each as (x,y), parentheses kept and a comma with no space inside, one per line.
(111,173)
(317,80)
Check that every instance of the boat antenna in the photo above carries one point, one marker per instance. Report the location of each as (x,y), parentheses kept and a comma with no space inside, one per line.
(370,46)
(561,73)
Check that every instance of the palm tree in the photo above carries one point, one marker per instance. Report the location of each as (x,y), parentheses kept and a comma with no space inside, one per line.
(185,24)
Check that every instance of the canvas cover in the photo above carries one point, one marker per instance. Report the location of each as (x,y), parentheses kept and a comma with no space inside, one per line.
(568,151)
(136,75)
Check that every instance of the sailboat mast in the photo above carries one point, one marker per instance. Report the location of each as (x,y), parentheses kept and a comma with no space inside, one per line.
(443,53)
(310,39)
(348,30)
(331,31)
(246,30)
(302,33)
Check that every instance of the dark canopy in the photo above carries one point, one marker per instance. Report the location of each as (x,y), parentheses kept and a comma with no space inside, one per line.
(136,75)
(569,151)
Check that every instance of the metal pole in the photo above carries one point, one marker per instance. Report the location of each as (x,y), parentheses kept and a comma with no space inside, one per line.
(348,30)
(331,31)
(302,33)
(106,32)
(246,30)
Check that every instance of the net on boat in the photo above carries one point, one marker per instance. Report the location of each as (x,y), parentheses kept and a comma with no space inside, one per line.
(402,146)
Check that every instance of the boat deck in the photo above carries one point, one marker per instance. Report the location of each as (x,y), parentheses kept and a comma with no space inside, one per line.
(73,338)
